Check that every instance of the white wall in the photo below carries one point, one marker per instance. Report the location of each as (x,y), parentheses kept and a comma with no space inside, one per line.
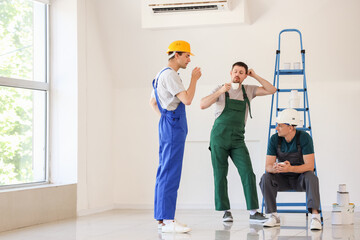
(96,117)
(121,129)
(63,92)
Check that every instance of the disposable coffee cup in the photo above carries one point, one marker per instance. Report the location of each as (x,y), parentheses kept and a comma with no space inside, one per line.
(296,65)
(287,65)
(294,100)
(235,85)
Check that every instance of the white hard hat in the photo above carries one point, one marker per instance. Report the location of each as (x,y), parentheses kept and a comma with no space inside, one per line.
(289,116)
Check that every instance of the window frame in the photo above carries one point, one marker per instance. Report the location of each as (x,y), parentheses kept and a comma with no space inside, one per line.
(38,86)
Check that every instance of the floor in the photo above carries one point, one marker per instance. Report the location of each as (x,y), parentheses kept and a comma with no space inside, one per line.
(205,224)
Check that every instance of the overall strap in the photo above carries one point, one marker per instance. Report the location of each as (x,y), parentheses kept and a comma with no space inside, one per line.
(279,142)
(155,84)
(298,142)
(157,79)
(246,99)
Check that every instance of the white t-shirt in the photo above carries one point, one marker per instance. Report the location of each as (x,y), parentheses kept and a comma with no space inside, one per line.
(169,84)
(234,94)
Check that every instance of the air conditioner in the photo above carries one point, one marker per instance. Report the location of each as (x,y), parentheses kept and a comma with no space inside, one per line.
(185,13)
(172,6)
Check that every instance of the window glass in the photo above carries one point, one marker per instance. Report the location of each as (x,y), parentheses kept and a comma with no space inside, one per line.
(23,40)
(23,92)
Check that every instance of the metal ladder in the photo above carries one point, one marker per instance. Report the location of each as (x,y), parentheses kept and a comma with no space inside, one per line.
(305,110)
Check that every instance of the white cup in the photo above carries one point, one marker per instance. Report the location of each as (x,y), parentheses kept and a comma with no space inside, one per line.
(235,85)
(294,100)
(281,163)
(296,65)
(342,187)
(287,65)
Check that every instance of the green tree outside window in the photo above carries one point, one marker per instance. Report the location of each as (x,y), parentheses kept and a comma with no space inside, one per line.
(16,104)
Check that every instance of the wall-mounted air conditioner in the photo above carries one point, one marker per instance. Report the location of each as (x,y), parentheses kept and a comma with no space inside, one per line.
(183,13)
(172,6)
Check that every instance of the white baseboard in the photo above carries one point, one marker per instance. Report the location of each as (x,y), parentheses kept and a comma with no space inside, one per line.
(180,207)
(85,212)
(133,206)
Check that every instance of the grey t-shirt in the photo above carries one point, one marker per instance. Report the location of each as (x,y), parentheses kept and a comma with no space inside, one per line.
(169,84)
(234,94)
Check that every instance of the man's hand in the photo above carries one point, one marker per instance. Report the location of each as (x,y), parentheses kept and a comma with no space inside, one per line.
(274,168)
(283,167)
(226,87)
(196,74)
(252,73)
(212,98)
(266,88)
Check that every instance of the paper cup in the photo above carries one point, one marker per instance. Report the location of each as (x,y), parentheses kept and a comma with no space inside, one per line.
(296,65)
(342,187)
(235,85)
(287,65)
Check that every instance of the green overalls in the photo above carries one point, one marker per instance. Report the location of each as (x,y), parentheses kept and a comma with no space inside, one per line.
(227,139)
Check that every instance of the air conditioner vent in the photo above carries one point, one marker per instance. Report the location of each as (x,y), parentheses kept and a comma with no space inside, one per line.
(182,13)
(186,9)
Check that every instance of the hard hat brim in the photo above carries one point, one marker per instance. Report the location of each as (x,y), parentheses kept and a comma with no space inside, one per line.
(180,51)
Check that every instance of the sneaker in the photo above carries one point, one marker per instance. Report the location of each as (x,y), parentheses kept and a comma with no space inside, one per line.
(317,235)
(258,217)
(182,224)
(315,224)
(160,225)
(174,227)
(272,222)
(227,217)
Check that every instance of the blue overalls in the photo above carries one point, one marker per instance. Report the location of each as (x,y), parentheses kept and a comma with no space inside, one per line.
(172,134)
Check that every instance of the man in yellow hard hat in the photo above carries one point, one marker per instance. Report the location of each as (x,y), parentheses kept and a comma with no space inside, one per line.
(168,99)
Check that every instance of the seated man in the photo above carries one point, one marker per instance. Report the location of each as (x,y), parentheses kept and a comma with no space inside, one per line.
(290,166)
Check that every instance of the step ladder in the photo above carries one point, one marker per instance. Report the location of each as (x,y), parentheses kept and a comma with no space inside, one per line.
(305,110)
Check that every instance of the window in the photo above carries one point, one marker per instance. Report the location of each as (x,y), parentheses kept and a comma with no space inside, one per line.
(23,92)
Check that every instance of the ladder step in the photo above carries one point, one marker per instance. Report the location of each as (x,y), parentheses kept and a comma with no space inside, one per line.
(293,204)
(289,90)
(290,72)
(297,109)
(304,128)
(298,204)
(291,211)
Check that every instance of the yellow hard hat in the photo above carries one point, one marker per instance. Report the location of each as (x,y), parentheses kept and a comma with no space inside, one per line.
(179,46)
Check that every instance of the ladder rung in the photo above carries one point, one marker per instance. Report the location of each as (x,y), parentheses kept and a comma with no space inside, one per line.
(296,204)
(291,211)
(297,109)
(290,72)
(304,128)
(289,90)
(298,128)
